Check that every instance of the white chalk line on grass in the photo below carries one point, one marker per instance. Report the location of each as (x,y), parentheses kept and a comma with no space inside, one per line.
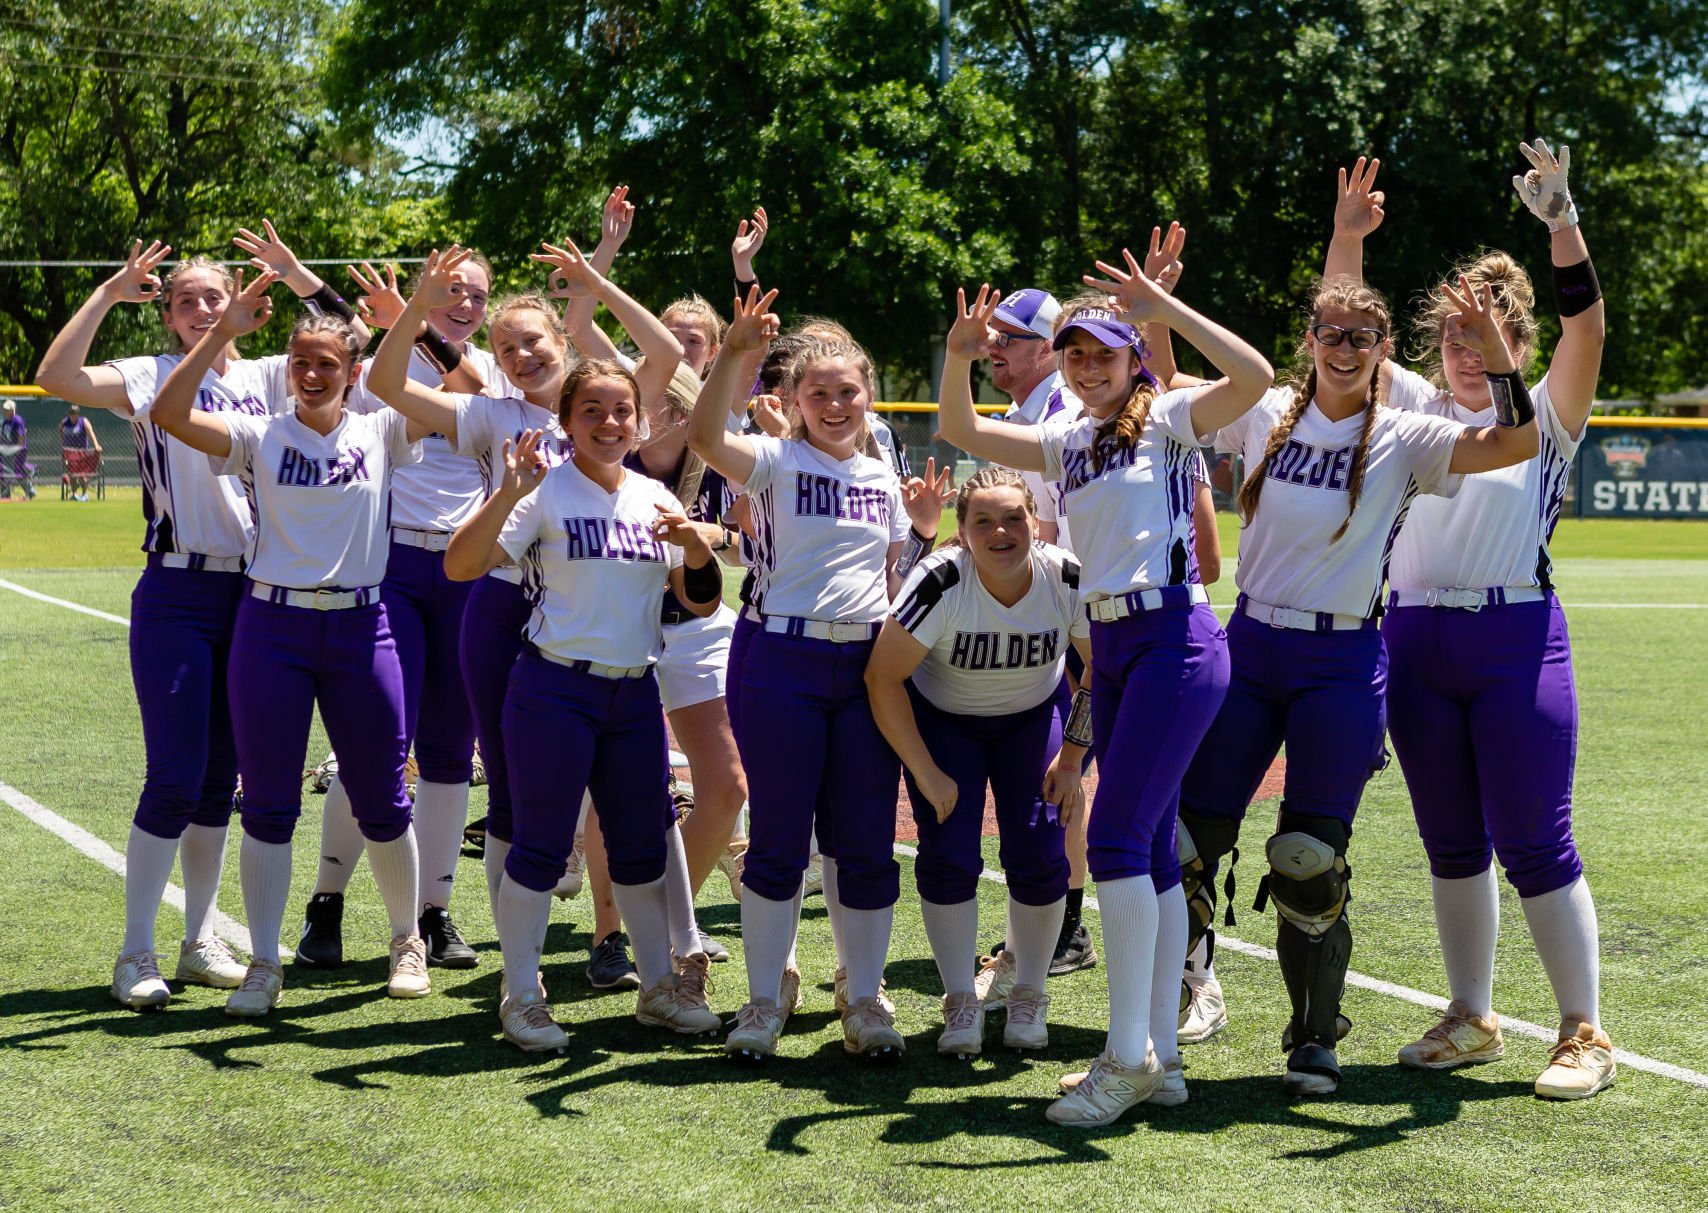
(60,602)
(1522,1027)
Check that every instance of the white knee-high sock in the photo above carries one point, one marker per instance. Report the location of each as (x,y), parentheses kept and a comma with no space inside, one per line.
(1129,955)
(954,934)
(148,866)
(522,916)
(341,841)
(397,870)
(833,908)
(441,811)
(793,962)
(1166,968)
(201,855)
(1568,939)
(767,939)
(684,931)
(264,868)
(1032,935)
(866,934)
(1467,919)
(646,912)
(497,851)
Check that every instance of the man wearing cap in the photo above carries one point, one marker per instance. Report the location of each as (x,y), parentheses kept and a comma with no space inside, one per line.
(1023,365)
(14,452)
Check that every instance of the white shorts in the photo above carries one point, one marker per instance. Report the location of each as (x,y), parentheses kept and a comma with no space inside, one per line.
(695,660)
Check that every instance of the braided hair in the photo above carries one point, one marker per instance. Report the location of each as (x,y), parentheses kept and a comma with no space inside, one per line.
(1339,293)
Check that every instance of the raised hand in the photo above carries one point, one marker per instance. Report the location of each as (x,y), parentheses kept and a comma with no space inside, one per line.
(1476,325)
(768,415)
(1139,297)
(382,302)
(749,236)
(1162,262)
(617,219)
(1358,208)
(1544,188)
(675,527)
(754,323)
(525,466)
(268,251)
(251,309)
(924,497)
(573,276)
(137,282)
(440,284)
(971,335)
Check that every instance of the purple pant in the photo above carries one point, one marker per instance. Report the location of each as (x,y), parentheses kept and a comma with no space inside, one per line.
(1484,717)
(180,642)
(425,609)
(285,660)
(738,646)
(1157,679)
(491,639)
(1321,693)
(814,756)
(1010,753)
(572,732)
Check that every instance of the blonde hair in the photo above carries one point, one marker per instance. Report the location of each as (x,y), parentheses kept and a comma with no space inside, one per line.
(1341,293)
(696,311)
(1514,302)
(528,301)
(678,401)
(810,355)
(170,280)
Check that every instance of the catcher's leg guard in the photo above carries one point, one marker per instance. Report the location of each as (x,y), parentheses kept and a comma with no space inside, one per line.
(1202,842)
(1309,882)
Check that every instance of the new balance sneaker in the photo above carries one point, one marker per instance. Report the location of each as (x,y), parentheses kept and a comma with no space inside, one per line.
(813,881)
(758,1027)
(1206,1011)
(409,968)
(209,962)
(995,979)
(1026,1028)
(137,982)
(1582,1064)
(322,943)
(1312,1070)
(841,984)
(1460,1039)
(446,946)
(730,863)
(569,884)
(1171,1091)
(868,1028)
(609,966)
(678,1001)
(320,777)
(263,985)
(528,1024)
(1073,951)
(963,1026)
(1105,1091)
(715,951)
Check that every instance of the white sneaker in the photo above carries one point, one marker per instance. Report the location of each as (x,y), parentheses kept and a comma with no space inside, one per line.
(320,777)
(963,1026)
(137,982)
(528,1024)
(1459,1039)
(209,962)
(1171,1091)
(868,1027)
(408,968)
(730,863)
(263,985)
(813,881)
(569,884)
(790,997)
(758,1027)
(1105,1092)
(678,1001)
(1026,1028)
(1206,1012)
(1582,1064)
(841,984)
(995,979)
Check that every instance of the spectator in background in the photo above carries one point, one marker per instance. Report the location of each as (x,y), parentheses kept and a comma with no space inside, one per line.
(81,451)
(14,452)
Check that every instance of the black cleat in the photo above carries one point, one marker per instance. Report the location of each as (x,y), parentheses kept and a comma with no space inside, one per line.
(609,966)
(445,944)
(322,942)
(1073,951)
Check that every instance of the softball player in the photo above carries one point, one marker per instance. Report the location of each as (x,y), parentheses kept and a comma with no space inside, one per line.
(1333,474)
(310,627)
(1481,702)
(830,524)
(199,525)
(583,703)
(1127,468)
(966,683)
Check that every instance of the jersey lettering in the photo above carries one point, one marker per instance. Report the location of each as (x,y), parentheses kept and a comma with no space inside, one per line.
(827,497)
(610,539)
(1301,463)
(1005,650)
(305,471)
(1077,469)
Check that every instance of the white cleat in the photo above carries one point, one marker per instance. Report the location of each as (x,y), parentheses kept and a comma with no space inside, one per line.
(209,962)
(1026,1028)
(1104,1092)
(841,984)
(137,982)
(408,968)
(678,1001)
(528,1024)
(790,997)
(1206,1011)
(758,1028)
(963,1026)
(263,986)
(995,979)
(868,1028)
(730,863)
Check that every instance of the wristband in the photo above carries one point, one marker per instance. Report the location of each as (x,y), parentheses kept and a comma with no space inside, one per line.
(442,352)
(1576,288)
(1512,403)
(913,550)
(703,584)
(327,302)
(1078,727)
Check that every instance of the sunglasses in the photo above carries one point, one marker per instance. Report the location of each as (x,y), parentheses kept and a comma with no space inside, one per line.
(1359,339)
(1003,340)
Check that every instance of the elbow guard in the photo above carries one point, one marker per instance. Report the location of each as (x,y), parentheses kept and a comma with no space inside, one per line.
(1576,288)
(704,584)
(445,355)
(1512,403)
(327,302)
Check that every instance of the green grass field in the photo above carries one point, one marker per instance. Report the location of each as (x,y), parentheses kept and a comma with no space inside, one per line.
(345,1100)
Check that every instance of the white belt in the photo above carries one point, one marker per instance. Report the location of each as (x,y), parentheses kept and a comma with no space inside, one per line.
(1107,610)
(432,541)
(594,667)
(1303,621)
(838,631)
(1466,600)
(314,600)
(197,562)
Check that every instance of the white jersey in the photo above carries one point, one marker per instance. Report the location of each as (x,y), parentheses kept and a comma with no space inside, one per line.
(1132,520)
(321,500)
(823,531)
(986,659)
(188,508)
(591,566)
(1495,531)
(485,424)
(1285,557)
(895,454)
(1051,400)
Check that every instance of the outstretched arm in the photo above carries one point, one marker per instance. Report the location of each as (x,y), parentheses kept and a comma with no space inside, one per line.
(969,339)
(63,371)
(661,353)
(388,375)
(615,223)
(173,411)
(731,375)
(268,252)
(1164,267)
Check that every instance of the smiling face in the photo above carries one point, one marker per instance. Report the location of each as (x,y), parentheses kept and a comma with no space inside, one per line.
(530,353)
(319,366)
(602,419)
(997,529)
(197,299)
(1024,363)
(833,397)
(1102,376)
(1343,372)
(461,319)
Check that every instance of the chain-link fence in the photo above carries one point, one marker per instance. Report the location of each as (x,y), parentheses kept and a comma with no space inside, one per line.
(43,457)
